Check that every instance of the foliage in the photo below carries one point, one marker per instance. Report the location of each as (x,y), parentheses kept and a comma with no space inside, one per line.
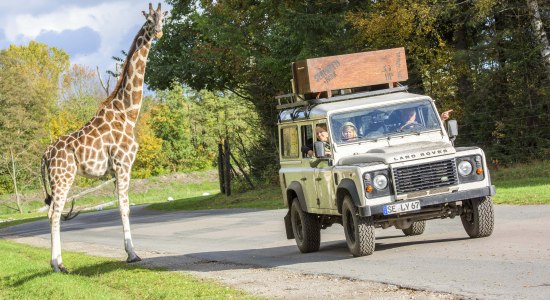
(247,48)
(28,90)
(150,152)
(191,124)
(479,58)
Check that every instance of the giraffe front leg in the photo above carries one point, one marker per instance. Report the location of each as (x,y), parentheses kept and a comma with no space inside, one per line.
(54,214)
(123,182)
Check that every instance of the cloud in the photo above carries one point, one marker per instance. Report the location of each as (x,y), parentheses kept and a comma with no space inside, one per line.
(91,31)
(75,42)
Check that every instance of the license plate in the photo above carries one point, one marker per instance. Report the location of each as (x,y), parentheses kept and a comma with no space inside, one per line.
(401,207)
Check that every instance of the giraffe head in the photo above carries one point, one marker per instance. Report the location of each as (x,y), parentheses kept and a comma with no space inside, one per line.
(154,21)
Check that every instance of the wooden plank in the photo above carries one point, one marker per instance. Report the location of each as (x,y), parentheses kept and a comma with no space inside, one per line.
(350,70)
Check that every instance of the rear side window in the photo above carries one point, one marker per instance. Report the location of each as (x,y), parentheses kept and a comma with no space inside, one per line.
(289,142)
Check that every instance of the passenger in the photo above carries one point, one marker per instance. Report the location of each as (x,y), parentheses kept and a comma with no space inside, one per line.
(349,132)
(322,136)
(445,115)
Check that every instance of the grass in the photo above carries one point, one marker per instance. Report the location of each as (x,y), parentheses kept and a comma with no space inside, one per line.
(25,274)
(523,184)
(262,198)
(175,190)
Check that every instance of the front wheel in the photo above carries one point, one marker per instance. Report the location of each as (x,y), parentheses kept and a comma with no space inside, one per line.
(478,218)
(359,230)
(306,228)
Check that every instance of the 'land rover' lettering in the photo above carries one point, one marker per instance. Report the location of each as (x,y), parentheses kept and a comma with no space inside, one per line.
(421,154)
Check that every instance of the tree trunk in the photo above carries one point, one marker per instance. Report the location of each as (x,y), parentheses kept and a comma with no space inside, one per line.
(540,34)
(14,178)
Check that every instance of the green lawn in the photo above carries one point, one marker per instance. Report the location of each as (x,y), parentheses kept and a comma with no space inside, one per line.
(25,274)
(262,197)
(522,183)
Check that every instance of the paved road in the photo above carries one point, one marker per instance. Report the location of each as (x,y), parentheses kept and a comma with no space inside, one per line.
(513,263)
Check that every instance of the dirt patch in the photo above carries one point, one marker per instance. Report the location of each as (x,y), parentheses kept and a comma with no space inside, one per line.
(274,283)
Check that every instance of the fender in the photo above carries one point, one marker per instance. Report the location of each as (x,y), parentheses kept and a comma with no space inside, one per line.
(297,188)
(347,186)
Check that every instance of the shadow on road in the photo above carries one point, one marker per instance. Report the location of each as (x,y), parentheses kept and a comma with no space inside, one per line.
(334,251)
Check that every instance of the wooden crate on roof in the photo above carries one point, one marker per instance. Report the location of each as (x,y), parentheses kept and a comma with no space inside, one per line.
(325,74)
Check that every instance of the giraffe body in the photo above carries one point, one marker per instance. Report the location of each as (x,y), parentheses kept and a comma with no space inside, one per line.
(105,145)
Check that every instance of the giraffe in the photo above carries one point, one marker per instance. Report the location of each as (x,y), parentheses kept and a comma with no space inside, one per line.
(105,145)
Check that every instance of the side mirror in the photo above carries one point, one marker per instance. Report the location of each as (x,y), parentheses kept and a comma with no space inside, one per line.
(452,129)
(319,148)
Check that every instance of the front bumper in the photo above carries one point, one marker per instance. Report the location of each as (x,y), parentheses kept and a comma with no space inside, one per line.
(367,210)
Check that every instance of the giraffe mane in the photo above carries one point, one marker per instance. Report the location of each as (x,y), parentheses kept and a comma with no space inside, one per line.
(124,70)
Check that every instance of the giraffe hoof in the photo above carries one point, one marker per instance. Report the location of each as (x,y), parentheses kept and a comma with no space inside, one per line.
(60,269)
(133,259)
(63,270)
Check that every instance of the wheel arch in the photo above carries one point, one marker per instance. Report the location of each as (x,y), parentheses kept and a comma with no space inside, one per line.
(347,187)
(295,190)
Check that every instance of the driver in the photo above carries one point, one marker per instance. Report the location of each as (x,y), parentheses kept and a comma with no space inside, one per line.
(409,119)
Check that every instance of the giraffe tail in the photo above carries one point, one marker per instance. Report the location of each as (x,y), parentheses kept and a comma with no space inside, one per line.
(43,168)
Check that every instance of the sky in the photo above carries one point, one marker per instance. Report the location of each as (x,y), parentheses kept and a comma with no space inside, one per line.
(90,31)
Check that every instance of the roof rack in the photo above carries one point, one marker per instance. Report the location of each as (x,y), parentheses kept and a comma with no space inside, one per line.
(296,101)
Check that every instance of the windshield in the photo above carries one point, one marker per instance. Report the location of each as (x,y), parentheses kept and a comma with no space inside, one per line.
(384,122)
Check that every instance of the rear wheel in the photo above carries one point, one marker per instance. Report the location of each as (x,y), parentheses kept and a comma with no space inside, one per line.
(478,218)
(359,230)
(306,228)
(416,228)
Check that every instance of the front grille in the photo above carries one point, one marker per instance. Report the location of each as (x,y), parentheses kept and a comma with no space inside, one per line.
(426,176)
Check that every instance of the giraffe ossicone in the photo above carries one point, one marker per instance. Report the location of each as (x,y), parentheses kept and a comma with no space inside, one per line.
(105,145)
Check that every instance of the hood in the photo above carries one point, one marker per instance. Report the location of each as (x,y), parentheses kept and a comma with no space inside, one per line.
(399,153)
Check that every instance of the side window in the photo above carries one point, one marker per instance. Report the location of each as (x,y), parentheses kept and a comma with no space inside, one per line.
(307,139)
(289,142)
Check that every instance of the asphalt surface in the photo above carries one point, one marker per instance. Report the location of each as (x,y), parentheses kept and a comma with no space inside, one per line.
(512,263)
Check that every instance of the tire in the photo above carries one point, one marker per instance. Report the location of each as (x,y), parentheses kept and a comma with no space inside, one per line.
(359,230)
(479,218)
(417,228)
(306,229)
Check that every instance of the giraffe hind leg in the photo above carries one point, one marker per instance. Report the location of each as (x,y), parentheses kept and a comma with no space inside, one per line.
(60,183)
(55,222)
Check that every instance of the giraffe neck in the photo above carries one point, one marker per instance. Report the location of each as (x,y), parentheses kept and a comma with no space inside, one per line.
(127,96)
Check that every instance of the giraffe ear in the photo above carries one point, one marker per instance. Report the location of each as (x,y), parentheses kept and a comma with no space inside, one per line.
(144,13)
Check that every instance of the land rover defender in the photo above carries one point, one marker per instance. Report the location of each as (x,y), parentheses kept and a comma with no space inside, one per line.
(365,153)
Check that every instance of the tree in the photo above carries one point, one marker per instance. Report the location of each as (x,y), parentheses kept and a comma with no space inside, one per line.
(79,100)
(29,77)
(481,58)
(540,33)
(246,48)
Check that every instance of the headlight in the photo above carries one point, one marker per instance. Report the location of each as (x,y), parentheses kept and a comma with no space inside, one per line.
(380,182)
(470,168)
(376,184)
(465,168)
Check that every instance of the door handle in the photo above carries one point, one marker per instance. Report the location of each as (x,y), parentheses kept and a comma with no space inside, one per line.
(303,179)
(318,179)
